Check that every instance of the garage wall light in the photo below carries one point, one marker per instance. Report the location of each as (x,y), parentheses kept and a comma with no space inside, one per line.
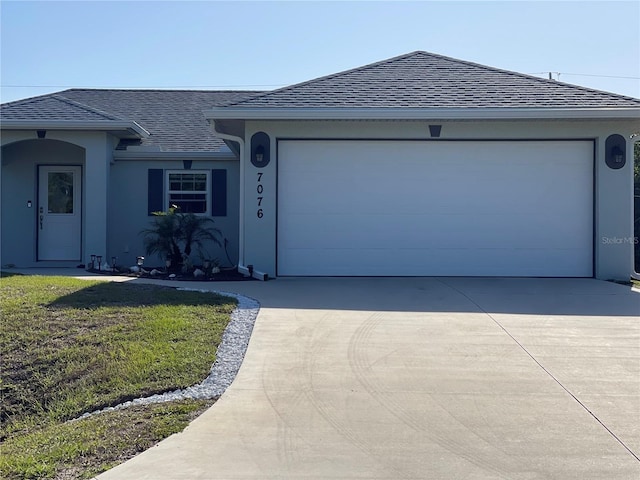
(260,154)
(260,148)
(618,155)
(614,149)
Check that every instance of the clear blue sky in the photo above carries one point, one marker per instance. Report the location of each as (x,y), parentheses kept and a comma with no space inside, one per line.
(50,45)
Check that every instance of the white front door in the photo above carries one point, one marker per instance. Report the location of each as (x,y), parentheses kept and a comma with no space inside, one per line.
(59,212)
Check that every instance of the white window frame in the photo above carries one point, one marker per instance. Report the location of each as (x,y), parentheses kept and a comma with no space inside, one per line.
(207,192)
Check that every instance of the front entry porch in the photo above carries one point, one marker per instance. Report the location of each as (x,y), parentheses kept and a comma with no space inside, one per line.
(50,218)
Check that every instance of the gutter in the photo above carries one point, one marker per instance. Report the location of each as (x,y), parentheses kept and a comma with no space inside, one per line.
(107,125)
(409,113)
(240,141)
(160,155)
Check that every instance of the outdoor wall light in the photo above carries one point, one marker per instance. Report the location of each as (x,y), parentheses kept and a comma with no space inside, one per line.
(260,147)
(617,154)
(260,154)
(614,151)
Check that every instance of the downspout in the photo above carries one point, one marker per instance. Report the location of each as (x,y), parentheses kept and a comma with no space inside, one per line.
(225,136)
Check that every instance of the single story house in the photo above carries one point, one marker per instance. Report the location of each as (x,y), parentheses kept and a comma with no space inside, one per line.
(417,165)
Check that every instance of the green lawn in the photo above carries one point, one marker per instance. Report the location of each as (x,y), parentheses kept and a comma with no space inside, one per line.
(70,346)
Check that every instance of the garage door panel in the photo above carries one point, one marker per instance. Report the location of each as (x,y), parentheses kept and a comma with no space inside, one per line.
(435,208)
(432,231)
(445,262)
(315,197)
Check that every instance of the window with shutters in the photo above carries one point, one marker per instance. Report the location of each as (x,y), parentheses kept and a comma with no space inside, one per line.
(190,190)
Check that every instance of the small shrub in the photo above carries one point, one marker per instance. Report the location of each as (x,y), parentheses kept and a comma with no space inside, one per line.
(174,235)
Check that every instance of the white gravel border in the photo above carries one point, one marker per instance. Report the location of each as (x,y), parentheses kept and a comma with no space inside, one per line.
(231,351)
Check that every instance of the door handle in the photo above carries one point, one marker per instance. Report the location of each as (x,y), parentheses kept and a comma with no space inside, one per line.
(41,218)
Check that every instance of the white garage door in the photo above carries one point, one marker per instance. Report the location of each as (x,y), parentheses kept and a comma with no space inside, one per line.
(414,208)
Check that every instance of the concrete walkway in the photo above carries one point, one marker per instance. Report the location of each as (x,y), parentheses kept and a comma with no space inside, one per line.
(422,378)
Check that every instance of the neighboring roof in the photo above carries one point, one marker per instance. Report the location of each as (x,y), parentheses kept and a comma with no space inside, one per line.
(172,118)
(422,80)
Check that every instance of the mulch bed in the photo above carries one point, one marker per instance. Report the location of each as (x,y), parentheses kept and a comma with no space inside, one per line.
(231,275)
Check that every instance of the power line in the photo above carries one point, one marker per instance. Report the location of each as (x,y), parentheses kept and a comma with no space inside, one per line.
(279,85)
(584,75)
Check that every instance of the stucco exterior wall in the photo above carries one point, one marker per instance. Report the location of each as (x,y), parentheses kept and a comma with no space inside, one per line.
(613,189)
(128,212)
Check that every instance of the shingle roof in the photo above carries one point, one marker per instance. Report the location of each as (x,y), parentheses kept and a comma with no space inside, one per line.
(426,80)
(174,118)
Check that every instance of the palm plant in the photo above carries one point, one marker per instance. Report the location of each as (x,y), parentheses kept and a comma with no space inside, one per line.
(173,235)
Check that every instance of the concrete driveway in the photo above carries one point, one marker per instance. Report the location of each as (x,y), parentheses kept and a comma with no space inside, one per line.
(422,378)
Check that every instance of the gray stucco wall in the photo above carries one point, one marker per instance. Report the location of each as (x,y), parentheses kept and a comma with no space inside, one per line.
(128,212)
(613,199)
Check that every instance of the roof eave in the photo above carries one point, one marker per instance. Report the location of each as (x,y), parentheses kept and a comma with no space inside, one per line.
(132,128)
(408,113)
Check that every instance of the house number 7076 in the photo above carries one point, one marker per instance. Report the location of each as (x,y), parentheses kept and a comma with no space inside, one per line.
(260,189)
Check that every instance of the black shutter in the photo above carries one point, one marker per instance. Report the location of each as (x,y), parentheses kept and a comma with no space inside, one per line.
(219,193)
(155,190)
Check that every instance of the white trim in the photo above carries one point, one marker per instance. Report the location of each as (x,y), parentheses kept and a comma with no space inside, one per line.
(307,113)
(108,125)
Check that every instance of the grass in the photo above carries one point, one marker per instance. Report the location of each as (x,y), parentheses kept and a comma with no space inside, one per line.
(84,448)
(70,346)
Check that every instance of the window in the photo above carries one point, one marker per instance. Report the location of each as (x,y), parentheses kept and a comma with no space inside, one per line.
(189,190)
(199,191)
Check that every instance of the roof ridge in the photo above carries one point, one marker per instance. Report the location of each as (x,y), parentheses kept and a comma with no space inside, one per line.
(186,90)
(61,94)
(88,108)
(57,96)
(325,77)
(29,99)
(423,53)
(524,75)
